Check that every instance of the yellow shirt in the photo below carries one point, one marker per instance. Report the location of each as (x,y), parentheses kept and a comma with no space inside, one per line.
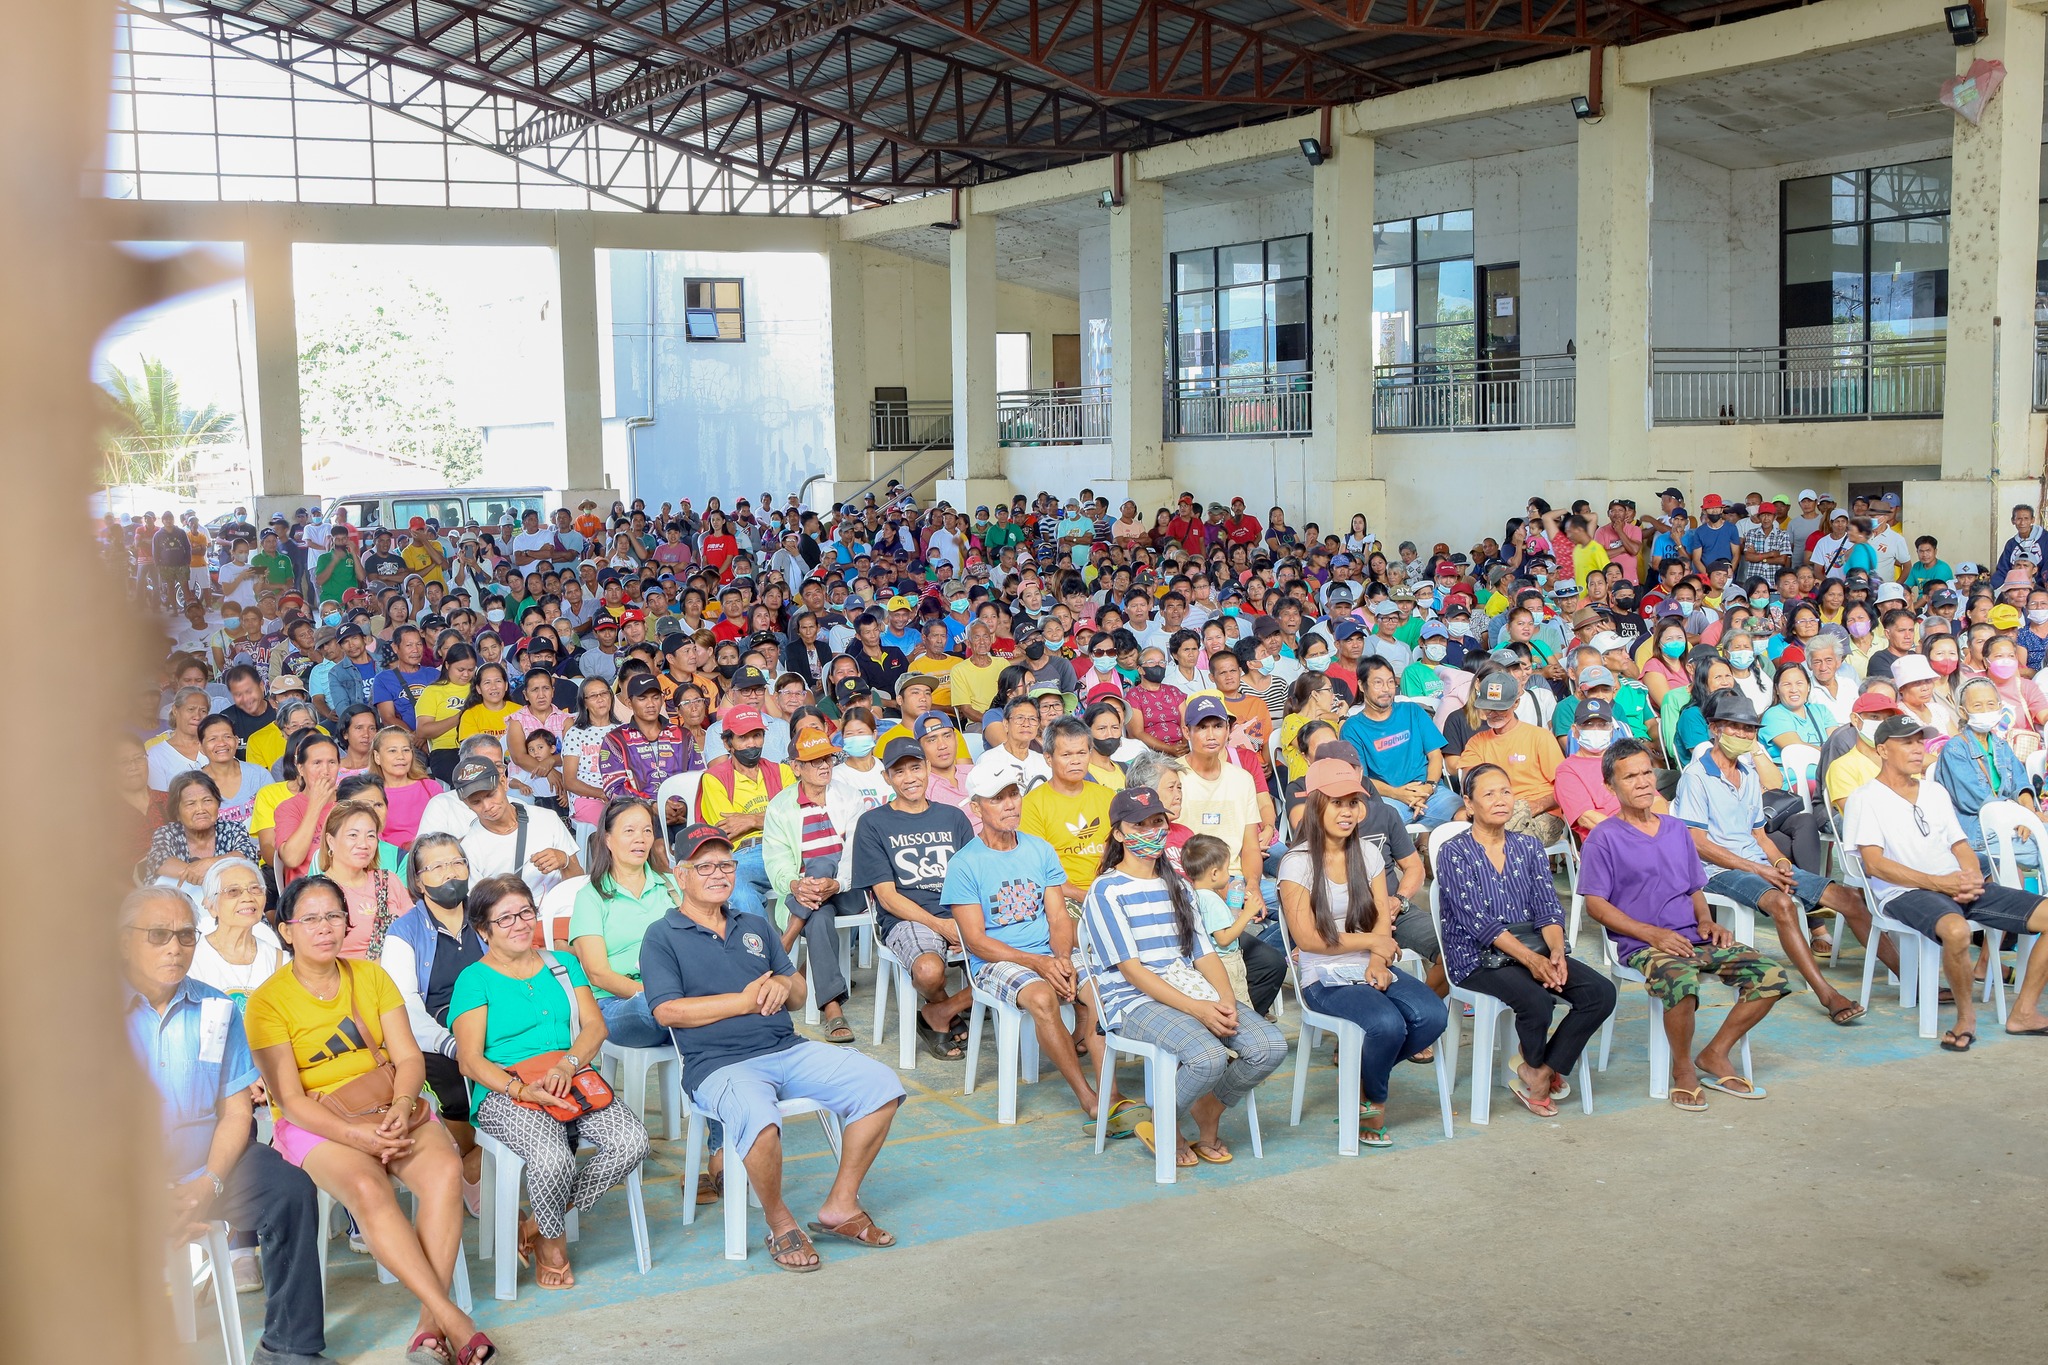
(749,796)
(422,563)
(321,1034)
(942,668)
(439,701)
(975,684)
(263,815)
(1587,560)
(1075,826)
(901,731)
(484,719)
(1848,773)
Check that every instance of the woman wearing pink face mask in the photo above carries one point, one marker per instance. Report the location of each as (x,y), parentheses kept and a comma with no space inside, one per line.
(2022,697)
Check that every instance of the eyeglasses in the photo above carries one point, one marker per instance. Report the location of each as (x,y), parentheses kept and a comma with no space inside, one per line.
(462,863)
(526,916)
(158,936)
(339,917)
(717,869)
(1920,820)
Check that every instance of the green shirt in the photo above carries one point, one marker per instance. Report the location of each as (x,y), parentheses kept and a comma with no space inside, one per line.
(344,566)
(277,568)
(526,1018)
(621,920)
(1938,571)
(997,538)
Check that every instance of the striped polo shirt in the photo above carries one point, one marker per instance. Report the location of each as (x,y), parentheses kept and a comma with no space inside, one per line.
(1129,917)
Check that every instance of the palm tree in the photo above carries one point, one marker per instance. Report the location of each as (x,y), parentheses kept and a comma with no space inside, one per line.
(152,436)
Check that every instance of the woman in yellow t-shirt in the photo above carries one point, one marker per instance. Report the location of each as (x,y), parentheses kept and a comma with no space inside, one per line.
(489,705)
(306,1028)
(438,709)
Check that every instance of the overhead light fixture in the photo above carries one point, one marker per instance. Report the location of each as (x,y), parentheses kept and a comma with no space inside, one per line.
(1107,199)
(1965,22)
(1582,108)
(1312,150)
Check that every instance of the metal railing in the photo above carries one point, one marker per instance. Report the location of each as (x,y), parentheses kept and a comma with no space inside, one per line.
(910,424)
(1044,417)
(1240,405)
(2041,370)
(1475,395)
(1808,382)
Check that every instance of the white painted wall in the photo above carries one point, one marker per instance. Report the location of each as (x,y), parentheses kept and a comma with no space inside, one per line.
(909,325)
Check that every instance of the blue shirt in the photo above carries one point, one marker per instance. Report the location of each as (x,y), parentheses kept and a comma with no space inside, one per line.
(1010,889)
(1477,901)
(1730,813)
(1713,542)
(197,1055)
(1128,918)
(401,689)
(1396,750)
(681,959)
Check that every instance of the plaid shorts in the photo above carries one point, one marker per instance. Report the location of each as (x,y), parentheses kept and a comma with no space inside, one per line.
(1674,980)
(909,941)
(1004,980)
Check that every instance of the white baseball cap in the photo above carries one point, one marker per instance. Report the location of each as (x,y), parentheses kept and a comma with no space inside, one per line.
(1891,592)
(1608,641)
(1808,495)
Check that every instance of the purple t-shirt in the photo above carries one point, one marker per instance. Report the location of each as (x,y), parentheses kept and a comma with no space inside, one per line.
(1648,879)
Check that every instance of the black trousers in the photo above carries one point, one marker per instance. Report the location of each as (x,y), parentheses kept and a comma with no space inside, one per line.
(1265,971)
(269,1196)
(1588,994)
(1797,836)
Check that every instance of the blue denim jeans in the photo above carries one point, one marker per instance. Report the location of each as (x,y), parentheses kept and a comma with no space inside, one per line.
(1444,805)
(1399,1022)
(629,1022)
(750,883)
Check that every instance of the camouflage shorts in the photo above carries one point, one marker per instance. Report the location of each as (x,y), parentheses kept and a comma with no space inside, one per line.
(1674,980)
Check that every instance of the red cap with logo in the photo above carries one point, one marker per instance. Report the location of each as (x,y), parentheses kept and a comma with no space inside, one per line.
(742,720)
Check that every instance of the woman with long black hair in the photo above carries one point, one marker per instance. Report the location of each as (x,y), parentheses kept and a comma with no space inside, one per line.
(1159,979)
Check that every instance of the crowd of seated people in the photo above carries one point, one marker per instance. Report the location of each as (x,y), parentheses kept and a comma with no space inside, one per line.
(1118,773)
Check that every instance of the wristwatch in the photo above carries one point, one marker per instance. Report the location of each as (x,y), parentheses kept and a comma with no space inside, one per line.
(575,1062)
(219,1185)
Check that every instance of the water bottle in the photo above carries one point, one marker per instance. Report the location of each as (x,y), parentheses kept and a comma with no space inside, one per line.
(1233,895)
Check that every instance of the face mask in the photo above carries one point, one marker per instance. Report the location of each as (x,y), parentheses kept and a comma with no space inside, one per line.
(231,623)
(494,615)
(1859,629)
(858,746)
(1943,667)
(1105,747)
(748,756)
(1868,729)
(1754,508)
(2001,669)
(1035,650)
(1230,611)
(1739,659)
(332,618)
(2037,618)
(1149,844)
(1672,649)
(1541,580)
(1594,741)
(1984,722)
(450,893)
(1735,746)
(1434,652)
(1155,673)
(958,604)
(1461,629)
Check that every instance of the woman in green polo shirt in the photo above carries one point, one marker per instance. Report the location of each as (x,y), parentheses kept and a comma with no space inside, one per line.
(516,1005)
(629,889)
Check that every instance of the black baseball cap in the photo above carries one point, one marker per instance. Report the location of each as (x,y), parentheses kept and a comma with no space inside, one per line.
(476,775)
(1135,805)
(900,748)
(1902,727)
(749,677)
(696,838)
(641,684)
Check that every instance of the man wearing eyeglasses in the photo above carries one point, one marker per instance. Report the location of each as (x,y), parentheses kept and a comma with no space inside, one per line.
(1923,871)
(721,983)
(188,1037)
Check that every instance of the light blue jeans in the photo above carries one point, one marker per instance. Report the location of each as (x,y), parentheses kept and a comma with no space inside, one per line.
(1443,806)
(750,883)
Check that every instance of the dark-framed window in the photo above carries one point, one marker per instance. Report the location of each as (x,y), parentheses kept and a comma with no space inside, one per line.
(1425,290)
(1241,311)
(1865,255)
(714,310)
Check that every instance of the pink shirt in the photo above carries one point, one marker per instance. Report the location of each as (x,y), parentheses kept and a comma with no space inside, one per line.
(403,808)
(1580,790)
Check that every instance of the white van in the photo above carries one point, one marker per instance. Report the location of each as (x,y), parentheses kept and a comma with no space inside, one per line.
(451,507)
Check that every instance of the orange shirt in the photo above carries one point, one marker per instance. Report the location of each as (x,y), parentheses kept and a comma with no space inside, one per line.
(1528,755)
(589,527)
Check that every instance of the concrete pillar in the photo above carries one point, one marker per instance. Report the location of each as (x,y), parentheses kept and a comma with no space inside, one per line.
(272,380)
(1137,359)
(852,391)
(977,473)
(1342,477)
(582,409)
(1613,305)
(1993,224)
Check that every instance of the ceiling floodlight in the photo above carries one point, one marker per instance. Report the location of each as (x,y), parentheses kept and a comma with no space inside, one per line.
(1965,23)
(1312,149)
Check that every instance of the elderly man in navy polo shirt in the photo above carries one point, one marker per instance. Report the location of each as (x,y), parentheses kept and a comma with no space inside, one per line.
(188,1037)
(720,982)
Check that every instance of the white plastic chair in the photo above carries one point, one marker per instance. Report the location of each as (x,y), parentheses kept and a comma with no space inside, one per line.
(504,1171)
(976,745)
(1800,763)
(681,787)
(556,907)
(626,1070)
(1567,848)
(1161,1073)
(2001,822)
(892,974)
(800,950)
(1740,921)
(458,1288)
(1350,1055)
(1488,1016)
(1660,1042)
(1016,1048)
(1919,957)
(191,1264)
(738,1193)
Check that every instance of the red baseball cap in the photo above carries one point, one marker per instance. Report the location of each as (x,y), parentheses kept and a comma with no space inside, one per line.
(742,720)
(632,614)
(1874,704)
(1710,500)
(416,524)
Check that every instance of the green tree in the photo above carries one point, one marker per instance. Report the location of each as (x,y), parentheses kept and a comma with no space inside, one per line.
(373,371)
(151,437)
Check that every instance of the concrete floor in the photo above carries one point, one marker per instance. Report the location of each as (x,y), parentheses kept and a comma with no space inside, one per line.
(1886,1202)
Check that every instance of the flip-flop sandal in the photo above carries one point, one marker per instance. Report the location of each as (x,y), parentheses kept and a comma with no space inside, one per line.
(479,1351)
(1958,1042)
(1531,1102)
(838,1030)
(547,1276)
(1426,1057)
(1847,1015)
(860,1229)
(1696,1105)
(710,1188)
(529,1238)
(1145,1133)
(938,1044)
(785,1243)
(1124,1117)
(1224,1160)
(1721,1083)
(427,1348)
(1560,1088)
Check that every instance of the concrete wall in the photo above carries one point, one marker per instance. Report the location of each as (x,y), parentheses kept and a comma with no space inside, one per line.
(909,325)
